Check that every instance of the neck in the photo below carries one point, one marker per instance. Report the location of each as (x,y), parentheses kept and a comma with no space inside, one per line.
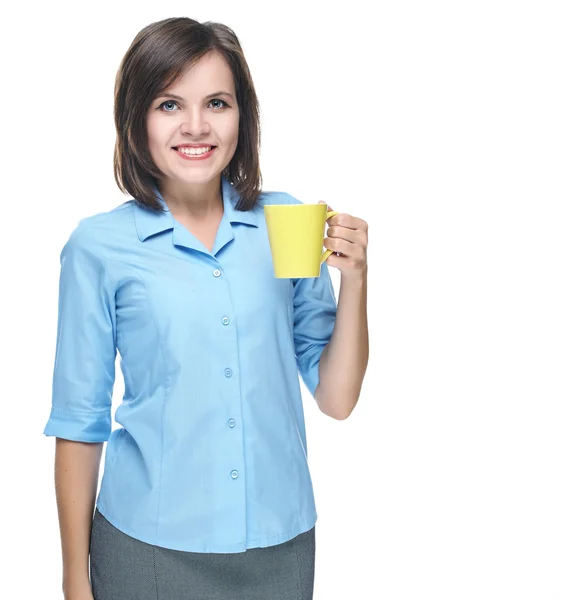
(200,201)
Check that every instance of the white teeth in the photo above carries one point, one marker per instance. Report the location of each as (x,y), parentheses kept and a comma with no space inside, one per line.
(194,151)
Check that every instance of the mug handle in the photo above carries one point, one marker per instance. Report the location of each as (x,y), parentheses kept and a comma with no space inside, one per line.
(327,253)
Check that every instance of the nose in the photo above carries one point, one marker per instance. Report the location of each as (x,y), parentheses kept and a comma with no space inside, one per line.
(195,123)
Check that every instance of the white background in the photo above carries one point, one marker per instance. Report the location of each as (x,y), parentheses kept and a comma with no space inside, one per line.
(448,127)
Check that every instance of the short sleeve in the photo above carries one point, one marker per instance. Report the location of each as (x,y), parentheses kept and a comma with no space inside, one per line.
(314,312)
(84,365)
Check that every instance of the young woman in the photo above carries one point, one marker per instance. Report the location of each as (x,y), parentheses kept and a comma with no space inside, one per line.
(206,490)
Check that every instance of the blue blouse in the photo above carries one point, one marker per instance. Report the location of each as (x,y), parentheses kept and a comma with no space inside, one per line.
(211,451)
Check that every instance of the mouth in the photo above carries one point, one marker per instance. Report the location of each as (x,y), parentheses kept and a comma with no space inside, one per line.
(194,152)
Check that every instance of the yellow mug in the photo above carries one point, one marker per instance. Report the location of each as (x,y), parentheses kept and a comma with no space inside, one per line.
(296,233)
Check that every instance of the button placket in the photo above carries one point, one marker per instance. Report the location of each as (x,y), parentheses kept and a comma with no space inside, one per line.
(229,374)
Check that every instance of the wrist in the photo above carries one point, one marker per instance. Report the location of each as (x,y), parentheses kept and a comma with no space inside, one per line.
(77,585)
(356,277)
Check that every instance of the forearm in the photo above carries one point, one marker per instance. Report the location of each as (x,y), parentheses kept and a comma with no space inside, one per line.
(344,359)
(76,477)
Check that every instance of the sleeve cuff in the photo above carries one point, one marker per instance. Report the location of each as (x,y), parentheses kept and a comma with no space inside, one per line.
(309,368)
(80,427)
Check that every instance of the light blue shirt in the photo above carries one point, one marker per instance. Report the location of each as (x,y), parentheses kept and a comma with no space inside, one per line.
(211,452)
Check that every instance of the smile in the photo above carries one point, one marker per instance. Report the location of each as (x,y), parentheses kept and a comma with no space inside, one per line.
(195,153)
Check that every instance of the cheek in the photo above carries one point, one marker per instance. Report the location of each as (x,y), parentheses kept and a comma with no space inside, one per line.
(231,132)
(233,144)
(160,130)
(153,134)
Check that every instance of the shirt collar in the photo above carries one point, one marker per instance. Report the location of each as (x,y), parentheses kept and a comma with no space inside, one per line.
(149,222)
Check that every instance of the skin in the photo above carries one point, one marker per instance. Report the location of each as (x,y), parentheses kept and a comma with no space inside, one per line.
(344,359)
(191,189)
(76,468)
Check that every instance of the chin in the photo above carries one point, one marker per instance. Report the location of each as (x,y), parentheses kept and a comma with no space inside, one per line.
(199,178)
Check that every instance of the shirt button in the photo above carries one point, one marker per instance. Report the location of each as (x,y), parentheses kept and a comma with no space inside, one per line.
(216,273)
(225,320)
(234,474)
(228,372)
(231,423)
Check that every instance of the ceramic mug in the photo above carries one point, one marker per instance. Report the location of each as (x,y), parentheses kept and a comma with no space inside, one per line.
(296,233)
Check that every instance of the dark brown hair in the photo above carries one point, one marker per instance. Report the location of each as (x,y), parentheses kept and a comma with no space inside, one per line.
(159,54)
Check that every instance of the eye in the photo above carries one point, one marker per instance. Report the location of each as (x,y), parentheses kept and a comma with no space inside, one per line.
(222,103)
(167,102)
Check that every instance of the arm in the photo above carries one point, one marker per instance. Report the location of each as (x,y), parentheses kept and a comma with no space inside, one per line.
(76,476)
(80,417)
(344,360)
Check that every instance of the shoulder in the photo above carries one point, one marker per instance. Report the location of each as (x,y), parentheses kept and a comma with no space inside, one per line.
(95,232)
(277,198)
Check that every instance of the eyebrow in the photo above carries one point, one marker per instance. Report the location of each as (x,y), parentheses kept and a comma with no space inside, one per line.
(220,93)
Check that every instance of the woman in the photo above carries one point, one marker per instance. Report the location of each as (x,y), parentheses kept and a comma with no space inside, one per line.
(206,491)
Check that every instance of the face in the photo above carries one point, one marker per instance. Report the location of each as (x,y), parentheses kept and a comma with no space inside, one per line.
(199,110)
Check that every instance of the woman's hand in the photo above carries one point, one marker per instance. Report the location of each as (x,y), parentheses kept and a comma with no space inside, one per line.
(347,236)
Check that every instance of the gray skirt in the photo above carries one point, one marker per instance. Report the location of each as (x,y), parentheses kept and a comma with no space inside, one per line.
(124,568)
